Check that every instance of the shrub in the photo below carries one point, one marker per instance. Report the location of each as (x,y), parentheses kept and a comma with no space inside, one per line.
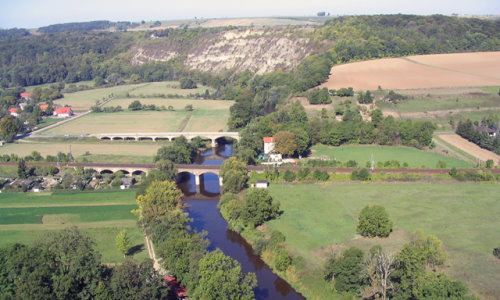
(259,245)
(303,173)
(276,238)
(362,175)
(289,176)
(441,165)
(496,252)
(374,221)
(283,260)
(489,163)
(320,175)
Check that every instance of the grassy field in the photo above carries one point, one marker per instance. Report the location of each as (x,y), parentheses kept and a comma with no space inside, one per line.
(83,100)
(442,103)
(168,88)
(105,151)
(207,116)
(320,218)
(362,154)
(25,217)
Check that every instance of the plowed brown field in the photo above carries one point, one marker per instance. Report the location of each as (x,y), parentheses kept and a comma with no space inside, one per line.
(470,148)
(422,71)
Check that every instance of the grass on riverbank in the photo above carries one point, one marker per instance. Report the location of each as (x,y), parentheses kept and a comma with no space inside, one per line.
(319,218)
(24,217)
(362,154)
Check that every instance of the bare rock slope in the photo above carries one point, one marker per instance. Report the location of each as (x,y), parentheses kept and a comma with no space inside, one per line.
(257,50)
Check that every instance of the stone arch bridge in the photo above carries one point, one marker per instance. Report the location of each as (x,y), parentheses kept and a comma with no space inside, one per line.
(166,136)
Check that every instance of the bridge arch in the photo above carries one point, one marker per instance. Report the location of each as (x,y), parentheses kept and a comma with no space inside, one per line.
(138,173)
(118,138)
(106,171)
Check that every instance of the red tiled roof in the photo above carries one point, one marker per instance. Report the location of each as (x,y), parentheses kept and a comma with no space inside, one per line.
(44,106)
(25,95)
(13,110)
(63,110)
(268,139)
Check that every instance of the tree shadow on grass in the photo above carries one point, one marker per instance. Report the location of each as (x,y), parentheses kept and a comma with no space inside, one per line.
(135,249)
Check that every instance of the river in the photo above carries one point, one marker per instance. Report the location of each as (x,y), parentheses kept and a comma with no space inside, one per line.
(205,214)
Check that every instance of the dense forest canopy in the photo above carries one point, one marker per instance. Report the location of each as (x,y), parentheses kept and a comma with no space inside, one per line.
(86,26)
(366,37)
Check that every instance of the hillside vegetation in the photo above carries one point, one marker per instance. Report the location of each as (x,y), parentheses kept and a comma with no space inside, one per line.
(75,56)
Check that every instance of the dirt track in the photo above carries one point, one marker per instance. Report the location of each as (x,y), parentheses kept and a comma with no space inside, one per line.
(470,148)
(422,71)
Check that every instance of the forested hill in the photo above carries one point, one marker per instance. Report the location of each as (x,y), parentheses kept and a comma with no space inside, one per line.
(159,55)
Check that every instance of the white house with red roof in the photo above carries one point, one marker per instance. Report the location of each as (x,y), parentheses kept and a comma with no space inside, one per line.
(268,144)
(63,112)
(14,111)
(25,96)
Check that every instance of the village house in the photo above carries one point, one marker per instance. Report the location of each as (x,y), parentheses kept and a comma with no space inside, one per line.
(127,182)
(14,111)
(26,96)
(63,112)
(491,132)
(268,144)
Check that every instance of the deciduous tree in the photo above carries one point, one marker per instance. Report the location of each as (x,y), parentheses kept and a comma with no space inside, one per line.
(122,242)
(221,278)
(374,221)
(285,142)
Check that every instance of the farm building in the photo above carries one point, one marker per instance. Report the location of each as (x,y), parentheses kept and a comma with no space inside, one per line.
(261,184)
(127,182)
(63,112)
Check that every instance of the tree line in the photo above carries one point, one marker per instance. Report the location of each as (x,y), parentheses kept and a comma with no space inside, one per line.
(478,133)
(295,132)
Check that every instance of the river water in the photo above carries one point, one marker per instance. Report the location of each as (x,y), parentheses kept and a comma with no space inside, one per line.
(203,210)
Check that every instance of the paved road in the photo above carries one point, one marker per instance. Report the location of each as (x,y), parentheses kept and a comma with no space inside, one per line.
(250,168)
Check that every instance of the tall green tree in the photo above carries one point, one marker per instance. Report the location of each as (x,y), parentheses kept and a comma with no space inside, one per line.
(285,142)
(122,241)
(161,197)
(137,281)
(374,221)
(259,207)
(9,127)
(346,271)
(22,170)
(234,175)
(221,278)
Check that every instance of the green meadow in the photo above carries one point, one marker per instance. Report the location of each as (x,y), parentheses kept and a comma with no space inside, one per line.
(363,153)
(25,217)
(318,219)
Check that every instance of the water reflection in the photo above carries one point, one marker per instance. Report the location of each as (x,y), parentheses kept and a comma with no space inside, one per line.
(202,208)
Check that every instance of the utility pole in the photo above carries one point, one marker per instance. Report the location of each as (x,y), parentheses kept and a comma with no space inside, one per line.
(372,163)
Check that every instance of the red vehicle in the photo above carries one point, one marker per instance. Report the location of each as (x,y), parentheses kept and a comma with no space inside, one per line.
(179,290)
